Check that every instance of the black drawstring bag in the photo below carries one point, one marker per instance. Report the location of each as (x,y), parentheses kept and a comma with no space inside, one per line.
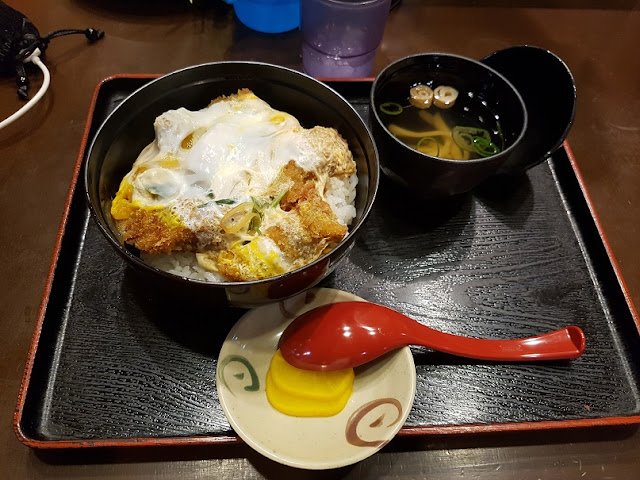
(21,43)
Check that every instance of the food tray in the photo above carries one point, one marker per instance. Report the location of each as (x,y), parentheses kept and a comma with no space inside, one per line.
(112,364)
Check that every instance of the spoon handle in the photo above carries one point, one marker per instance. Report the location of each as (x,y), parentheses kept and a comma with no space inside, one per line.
(566,343)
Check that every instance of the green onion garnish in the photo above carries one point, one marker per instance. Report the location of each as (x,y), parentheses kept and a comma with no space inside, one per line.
(429,139)
(276,201)
(258,205)
(473,139)
(462,139)
(484,147)
(475,131)
(391,108)
(222,201)
(254,225)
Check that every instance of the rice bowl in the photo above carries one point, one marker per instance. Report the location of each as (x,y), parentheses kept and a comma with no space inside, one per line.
(125,134)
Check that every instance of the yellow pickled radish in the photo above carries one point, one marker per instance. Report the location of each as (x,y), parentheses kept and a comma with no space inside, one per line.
(304,393)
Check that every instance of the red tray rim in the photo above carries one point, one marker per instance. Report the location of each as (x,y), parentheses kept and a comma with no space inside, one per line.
(232,439)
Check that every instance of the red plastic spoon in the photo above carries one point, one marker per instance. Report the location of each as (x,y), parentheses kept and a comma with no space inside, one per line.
(349,334)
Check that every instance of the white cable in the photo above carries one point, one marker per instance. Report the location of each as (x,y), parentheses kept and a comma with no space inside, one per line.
(35,58)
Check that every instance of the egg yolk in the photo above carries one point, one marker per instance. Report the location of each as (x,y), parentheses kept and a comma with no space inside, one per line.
(305,393)
(122,206)
(249,261)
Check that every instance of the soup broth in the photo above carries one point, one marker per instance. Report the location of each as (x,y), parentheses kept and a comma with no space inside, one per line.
(467,130)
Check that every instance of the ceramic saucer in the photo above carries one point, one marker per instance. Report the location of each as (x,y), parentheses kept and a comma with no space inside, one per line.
(383,393)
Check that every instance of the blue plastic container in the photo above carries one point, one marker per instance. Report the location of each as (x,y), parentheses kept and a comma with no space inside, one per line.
(268,16)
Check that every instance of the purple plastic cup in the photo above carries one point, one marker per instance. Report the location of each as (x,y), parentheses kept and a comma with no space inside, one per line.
(340,37)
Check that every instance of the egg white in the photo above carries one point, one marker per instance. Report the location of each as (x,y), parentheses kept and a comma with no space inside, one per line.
(243,148)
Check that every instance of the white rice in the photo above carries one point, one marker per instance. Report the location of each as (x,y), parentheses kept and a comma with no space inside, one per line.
(341,196)
(183,264)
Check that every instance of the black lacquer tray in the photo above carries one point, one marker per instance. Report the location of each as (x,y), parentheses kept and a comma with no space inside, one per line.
(113,364)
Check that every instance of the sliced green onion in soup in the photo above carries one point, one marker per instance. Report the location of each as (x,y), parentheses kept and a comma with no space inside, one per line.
(462,139)
(391,108)
(485,147)
(426,144)
(465,137)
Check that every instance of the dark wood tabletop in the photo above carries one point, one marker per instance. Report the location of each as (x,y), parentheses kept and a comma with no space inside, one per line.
(597,39)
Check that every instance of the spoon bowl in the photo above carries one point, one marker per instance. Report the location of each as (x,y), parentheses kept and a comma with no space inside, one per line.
(350,334)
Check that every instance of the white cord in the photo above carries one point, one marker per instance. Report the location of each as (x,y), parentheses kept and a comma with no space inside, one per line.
(35,58)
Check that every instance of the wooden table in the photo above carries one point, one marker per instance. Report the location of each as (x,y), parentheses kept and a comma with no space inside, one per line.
(597,39)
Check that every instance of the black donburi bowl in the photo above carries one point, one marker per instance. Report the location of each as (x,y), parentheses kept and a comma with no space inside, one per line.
(477,84)
(129,128)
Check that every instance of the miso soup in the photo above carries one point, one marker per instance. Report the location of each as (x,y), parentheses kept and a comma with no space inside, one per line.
(464,129)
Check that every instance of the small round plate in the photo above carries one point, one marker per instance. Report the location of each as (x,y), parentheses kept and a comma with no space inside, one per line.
(383,393)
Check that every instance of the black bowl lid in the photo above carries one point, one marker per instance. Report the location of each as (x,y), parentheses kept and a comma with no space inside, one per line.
(548,89)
